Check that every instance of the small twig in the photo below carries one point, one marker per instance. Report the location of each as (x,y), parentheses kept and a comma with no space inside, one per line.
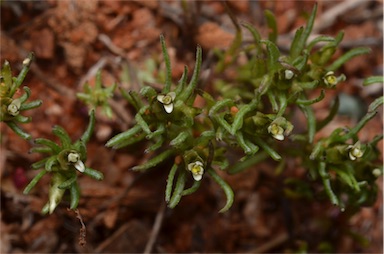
(83,229)
(92,72)
(113,237)
(155,229)
(111,46)
(329,17)
(275,242)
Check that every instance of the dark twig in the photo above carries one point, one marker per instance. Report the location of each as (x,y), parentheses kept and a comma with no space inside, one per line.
(155,229)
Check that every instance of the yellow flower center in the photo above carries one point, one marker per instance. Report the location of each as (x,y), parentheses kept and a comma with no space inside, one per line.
(167,99)
(196,169)
(331,80)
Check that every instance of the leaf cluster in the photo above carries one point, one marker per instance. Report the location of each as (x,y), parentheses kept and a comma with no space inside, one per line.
(11,107)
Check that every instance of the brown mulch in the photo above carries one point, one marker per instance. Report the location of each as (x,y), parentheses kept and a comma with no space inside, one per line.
(72,38)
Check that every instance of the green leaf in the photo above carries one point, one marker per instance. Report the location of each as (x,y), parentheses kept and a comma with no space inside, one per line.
(195,186)
(255,34)
(39,164)
(347,56)
(177,192)
(154,161)
(22,119)
(93,173)
(133,98)
(273,55)
(294,51)
(311,122)
(30,105)
(187,92)
(274,155)
(168,76)
(331,115)
(180,139)
(182,82)
(50,163)
(301,35)
(122,137)
(75,195)
(227,189)
(20,78)
(91,125)
(248,147)
(249,162)
(63,136)
(171,177)
(67,183)
(321,38)
(271,22)
(305,102)
(327,184)
(6,74)
(18,130)
(373,80)
(34,181)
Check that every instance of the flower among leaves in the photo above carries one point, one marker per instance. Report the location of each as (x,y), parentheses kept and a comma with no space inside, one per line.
(10,106)
(167,100)
(330,79)
(196,169)
(74,158)
(355,151)
(276,131)
(279,128)
(63,162)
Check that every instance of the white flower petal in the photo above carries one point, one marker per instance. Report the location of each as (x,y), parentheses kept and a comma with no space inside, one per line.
(288,74)
(279,136)
(199,163)
(168,108)
(160,97)
(351,156)
(173,95)
(79,165)
(197,177)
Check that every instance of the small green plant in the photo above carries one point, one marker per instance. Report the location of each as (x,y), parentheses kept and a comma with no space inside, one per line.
(250,116)
(169,121)
(98,96)
(63,161)
(269,86)
(11,107)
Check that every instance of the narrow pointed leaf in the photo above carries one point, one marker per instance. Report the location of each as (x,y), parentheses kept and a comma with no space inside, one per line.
(226,188)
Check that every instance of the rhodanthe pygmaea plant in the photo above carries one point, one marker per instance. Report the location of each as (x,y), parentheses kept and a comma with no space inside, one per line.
(256,122)
(250,114)
(62,162)
(11,107)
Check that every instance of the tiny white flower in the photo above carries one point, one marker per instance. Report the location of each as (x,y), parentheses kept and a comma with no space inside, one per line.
(355,151)
(197,170)
(77,163)
(167,101)
(14,108)
(26,61)
(330,79)
(288,74)
(276,131)
(376,172)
